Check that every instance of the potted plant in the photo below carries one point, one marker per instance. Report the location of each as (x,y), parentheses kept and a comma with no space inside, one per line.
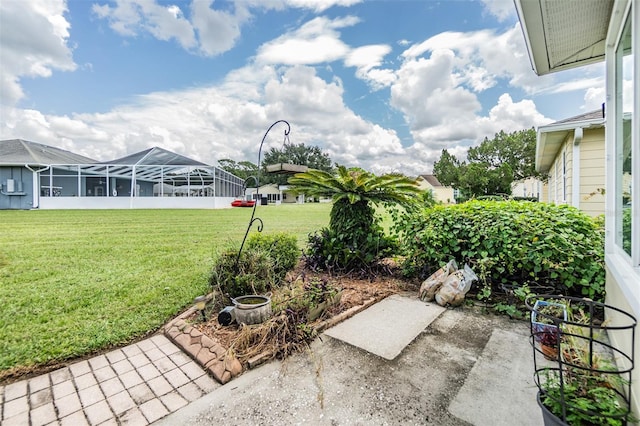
(546,315)
(545,318)
(590,382)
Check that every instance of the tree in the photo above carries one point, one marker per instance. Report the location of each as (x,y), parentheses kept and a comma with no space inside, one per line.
(300,154)
(492,166)
(477,179)
(354,239)
(447,169)
(242,169)
(517,149)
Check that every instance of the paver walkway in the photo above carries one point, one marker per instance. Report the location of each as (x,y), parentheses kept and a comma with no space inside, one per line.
(135,385)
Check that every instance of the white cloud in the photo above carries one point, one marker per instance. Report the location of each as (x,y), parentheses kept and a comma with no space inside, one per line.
(510,116)
(320,5)
(208,31)
(427,94)
(316,6)
(315,42)
(318,42)
(34,43)
(367,60)
(211,123)
(501,9)
(482,57)
(212,27)
(218,31)
(594,98)
(439,83)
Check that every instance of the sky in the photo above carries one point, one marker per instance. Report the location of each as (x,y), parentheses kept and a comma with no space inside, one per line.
(385,85)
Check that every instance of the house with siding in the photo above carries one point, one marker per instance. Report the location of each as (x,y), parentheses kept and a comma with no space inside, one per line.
(530,187)
(276,194)
(572,152)
(442,194)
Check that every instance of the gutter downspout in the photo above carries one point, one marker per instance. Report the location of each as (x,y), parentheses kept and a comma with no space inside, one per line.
(578,134)
(36,185)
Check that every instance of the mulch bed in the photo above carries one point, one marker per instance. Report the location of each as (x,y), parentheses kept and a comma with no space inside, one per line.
(287,332)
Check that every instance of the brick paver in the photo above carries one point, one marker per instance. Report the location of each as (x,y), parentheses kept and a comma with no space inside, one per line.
(138,384)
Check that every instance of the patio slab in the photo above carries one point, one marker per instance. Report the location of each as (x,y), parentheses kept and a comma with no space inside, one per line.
(387,327)
(500,386)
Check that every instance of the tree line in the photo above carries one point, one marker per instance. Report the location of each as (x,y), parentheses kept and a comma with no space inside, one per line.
(489,168)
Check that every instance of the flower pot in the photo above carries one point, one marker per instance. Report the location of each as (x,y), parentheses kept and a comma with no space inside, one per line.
(548,417)
(549,352)
(252,309)
(538,327)
(586,383)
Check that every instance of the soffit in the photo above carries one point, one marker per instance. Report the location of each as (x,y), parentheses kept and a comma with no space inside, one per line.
(564,34)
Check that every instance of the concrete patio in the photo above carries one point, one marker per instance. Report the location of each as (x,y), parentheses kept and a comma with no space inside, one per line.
(398,362)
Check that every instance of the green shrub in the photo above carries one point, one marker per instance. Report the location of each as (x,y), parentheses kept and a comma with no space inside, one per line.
(508,243)
(281,247)
(357,251)
(261,267)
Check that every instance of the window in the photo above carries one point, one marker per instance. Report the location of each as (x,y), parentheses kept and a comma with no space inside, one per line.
(624,104)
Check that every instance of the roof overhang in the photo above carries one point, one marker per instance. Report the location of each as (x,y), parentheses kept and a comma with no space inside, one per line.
(551,138)
(564,34)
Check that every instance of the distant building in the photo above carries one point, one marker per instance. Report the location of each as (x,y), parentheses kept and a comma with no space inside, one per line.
(276,194)
(33,176)
(530,187)
(441,193)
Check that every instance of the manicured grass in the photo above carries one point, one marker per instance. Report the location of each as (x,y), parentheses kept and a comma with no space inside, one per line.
(74,282)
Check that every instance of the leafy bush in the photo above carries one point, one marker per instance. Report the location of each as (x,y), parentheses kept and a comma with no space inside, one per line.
(281,247)
(347,252)
(261,267)
(509,244)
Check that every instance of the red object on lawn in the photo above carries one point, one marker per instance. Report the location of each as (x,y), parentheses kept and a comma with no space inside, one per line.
(243,203)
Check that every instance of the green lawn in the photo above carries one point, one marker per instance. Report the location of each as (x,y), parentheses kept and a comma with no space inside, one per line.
(74,282)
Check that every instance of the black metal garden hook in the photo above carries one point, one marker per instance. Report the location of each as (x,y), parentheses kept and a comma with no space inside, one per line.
(256,179)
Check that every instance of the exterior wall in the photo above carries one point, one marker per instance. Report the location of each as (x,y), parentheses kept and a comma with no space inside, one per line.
(623,268)
(443,194)
(615,297)
(529,187)
(560,175)
(544,192)
(592,175)
(21,196)
(97,203)
(289,197)
(276,194)
(591,179)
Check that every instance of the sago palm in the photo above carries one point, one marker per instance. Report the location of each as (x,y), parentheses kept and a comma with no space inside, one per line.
(353,223)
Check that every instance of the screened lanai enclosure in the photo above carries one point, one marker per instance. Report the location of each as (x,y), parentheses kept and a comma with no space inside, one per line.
(154,178)
(157,173)
(154,173)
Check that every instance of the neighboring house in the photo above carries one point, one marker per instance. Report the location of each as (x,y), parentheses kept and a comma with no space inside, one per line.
(571,151)
(530,187)
(557,39)
(33,176)
(276,194)
(441,193)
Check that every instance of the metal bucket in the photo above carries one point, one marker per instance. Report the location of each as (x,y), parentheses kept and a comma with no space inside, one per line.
(252,309)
